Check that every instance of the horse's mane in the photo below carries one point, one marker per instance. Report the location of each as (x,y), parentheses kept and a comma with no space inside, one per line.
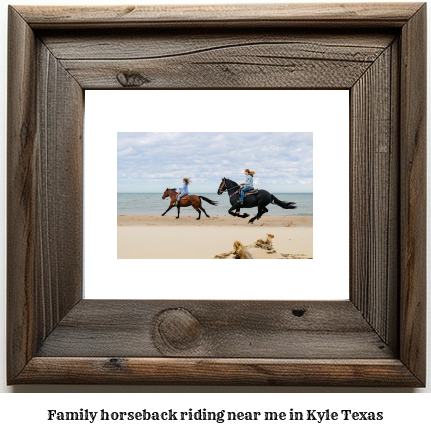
(172,189)
(235,183)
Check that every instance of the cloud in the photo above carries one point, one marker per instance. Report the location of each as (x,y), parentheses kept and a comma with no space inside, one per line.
(163,159)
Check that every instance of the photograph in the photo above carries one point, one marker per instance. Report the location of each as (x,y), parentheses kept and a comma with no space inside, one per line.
(215,195)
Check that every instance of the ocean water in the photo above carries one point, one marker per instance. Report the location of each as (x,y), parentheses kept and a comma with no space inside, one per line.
(152,203)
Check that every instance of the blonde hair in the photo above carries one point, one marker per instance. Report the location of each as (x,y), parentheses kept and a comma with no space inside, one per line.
(252,173)
(187,180)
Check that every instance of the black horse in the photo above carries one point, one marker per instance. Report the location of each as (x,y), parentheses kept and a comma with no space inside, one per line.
(260,199)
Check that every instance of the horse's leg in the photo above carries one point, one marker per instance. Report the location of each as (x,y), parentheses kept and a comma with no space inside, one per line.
(194,202)
(230,211)
(262,207)
(237,214)
(201,208)
(197,209)
(238,210)
(178,211)
(260,212)
(170,206)
(204,211)
(252,219)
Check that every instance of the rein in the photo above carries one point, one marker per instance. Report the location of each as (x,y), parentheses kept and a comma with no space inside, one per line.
(228,189)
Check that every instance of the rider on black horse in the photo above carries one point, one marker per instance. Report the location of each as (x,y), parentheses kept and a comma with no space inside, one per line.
(259,198)
(248,184)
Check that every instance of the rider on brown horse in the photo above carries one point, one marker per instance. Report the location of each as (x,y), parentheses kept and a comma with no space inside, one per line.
(190,200)
(184,190)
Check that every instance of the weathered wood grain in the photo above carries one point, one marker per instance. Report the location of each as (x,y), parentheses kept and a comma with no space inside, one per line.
(374,194)
(218,60)
(413,194)
(229,70)
(240,329)
(301,15)
(392,301)
(44,193)
(21,197)
(249,66)
(59,188)
(198,371)
(140,44)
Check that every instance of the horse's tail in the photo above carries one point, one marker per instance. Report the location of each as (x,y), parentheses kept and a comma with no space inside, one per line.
(283,204)
(208,200)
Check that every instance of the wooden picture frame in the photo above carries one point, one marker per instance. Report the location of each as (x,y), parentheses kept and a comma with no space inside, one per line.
(376,338)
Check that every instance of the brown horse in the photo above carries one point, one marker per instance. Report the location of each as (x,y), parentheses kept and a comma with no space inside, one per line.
(186,201)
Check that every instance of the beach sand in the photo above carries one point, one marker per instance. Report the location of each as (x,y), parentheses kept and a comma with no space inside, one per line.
(154,236)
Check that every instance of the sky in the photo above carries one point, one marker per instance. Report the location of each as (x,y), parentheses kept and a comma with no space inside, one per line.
(153,161)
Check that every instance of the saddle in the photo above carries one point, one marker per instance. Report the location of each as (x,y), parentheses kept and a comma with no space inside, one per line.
(251,192)
(184,196)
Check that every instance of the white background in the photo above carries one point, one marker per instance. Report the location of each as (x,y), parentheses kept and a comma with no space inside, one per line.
(325,113)
(402,411)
